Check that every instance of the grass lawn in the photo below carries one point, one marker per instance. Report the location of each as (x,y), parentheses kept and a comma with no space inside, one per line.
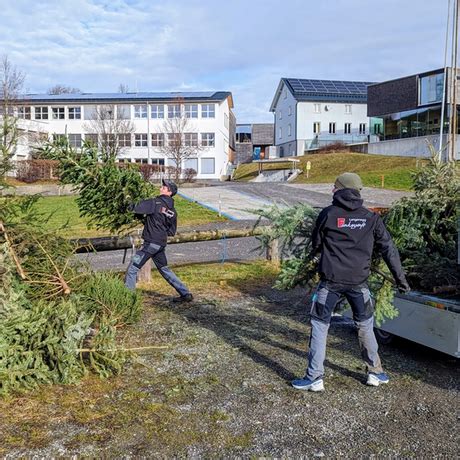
(326,167)
(65,209)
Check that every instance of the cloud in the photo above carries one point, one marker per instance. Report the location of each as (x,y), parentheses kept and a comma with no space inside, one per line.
(241,46)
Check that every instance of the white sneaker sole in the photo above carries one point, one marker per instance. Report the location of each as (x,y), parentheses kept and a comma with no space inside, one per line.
(373,381)
(317,386)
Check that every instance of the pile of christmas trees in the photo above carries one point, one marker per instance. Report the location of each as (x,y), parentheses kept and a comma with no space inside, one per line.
(58,318)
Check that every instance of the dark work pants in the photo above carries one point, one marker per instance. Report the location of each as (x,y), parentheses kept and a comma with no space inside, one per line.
(324,301)
(157,254)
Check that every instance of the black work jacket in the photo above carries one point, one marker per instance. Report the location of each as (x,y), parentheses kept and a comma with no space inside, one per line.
(346,233)
(160,219)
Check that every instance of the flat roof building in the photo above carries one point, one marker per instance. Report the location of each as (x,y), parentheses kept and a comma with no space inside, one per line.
(409,113)
(210,124)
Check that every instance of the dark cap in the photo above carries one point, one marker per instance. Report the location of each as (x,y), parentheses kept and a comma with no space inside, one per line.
(172,187)
(348,180)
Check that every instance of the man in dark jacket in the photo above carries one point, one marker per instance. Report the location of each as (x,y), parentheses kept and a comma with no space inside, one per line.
(160,221)
(344,237)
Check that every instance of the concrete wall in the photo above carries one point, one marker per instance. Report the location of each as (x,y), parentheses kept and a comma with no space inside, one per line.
(409,147)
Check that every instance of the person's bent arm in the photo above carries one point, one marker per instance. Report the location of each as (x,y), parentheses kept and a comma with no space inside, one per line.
(390,254)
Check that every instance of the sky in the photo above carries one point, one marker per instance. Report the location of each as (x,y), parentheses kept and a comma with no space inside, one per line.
(198,45)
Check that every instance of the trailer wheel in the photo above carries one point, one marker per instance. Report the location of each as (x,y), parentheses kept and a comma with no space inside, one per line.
(383,337)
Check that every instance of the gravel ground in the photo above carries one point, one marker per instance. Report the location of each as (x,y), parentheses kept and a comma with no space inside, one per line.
(222,390)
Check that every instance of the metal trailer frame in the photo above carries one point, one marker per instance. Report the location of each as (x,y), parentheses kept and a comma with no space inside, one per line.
(428,320)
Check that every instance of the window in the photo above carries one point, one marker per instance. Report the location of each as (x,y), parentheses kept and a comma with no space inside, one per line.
(316,127)
(362,128)
(191,163)
(431,88)
(157,111)
(41,113)
(317,108)
(158,161)
(58,113)
(377,129)
(208,111)
(75,140)
(143,161)
(225,120)
(124,140)
(174,139)
(90,112)
(74,113)
(289,129)
(92,138)
(280,132)
(347,108)
(24,112)
(191,139)
(140,111)
(174,111)
(140,140)
(207,139)
(158,140)
(123,112)
(108,140)
(191,110)
(280,115)
(347,128)
(207,166)
(289,110)
(332,128)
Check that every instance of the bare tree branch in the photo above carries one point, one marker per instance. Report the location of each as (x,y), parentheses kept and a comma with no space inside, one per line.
(113,131)
(180,138)
(62,89)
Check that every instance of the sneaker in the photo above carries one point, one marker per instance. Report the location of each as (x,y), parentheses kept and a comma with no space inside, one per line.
(374,380)
(307,384)
(183,298)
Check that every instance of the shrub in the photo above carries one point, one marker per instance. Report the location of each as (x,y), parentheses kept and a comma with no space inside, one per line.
(189,175)
(34,170)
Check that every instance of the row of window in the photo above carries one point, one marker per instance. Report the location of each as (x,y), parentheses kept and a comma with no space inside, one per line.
(317,109)
(175,110)
(141,140)
(208,165)
(332,128)
(157,111)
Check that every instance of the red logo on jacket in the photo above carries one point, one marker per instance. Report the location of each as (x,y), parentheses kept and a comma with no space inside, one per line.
(340,222)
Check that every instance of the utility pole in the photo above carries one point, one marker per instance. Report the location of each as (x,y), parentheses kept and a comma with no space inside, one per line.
(453,125)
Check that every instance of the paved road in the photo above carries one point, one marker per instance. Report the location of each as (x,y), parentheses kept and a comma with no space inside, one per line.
(236,199)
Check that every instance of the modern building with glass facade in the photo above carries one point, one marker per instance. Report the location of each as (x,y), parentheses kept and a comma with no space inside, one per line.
(405,114)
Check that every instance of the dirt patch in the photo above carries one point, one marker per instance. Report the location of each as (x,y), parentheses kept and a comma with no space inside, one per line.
(222,388)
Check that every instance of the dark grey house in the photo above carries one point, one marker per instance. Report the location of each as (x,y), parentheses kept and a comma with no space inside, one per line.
(406,113)
(252,141)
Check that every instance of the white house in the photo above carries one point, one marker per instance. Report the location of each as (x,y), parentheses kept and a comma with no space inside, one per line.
(313,113)
(212,123)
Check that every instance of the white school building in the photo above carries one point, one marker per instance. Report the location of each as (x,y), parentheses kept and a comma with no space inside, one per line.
(211,123)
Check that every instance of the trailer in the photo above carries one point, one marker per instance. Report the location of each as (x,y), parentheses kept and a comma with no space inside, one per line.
(432,321)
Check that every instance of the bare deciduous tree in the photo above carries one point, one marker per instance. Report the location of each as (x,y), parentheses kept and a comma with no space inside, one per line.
(62,89)
(112,129)
(11,84)
(180,138)
(123,88)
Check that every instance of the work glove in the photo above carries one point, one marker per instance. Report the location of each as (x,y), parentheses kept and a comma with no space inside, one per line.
(403,286)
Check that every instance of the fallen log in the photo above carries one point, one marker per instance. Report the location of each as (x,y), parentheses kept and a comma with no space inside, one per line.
(112,243)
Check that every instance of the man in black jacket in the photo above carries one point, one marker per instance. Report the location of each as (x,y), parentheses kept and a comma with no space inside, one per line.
(344,237)
(160,221)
